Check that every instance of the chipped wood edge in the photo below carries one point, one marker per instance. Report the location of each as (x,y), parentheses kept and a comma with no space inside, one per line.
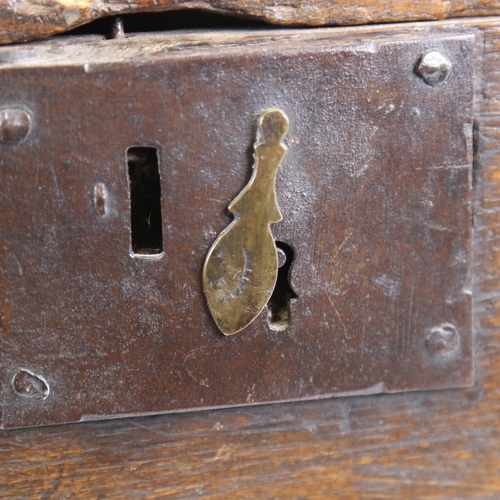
(28,20)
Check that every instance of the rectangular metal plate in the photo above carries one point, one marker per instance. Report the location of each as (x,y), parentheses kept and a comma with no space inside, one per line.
(375,191)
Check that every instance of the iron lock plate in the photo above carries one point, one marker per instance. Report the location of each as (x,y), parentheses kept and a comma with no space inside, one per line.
(374,190)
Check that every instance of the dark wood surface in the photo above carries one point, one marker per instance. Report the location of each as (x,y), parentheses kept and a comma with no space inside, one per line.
(32,20)
(426,445)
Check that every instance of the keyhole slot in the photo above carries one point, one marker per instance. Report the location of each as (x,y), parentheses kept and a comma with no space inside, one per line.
(279,303)
(145,201)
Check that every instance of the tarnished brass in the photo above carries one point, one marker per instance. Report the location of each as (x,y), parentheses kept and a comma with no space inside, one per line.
(241,267)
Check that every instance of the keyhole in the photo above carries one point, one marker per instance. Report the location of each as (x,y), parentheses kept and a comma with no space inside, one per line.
(145,201)
(279,303)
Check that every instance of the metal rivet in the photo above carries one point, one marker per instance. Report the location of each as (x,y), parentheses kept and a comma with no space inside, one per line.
(29,385)
(433,68)
(443,340)
(14,125)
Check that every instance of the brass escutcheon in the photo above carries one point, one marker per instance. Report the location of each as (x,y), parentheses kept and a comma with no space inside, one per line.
(241,267)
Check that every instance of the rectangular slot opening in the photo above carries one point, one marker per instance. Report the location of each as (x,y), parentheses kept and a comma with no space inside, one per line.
(145,201)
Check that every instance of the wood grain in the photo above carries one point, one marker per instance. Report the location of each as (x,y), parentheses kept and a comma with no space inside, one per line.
(32,20)
(423,445)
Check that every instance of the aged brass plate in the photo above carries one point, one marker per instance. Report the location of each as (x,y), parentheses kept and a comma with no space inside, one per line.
(241,269)
(118,160)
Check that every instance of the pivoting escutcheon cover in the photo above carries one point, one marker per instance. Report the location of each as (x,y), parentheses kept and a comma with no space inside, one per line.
(119,163)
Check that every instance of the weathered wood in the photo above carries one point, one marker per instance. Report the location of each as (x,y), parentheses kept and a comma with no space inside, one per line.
(426,445)
(33,20)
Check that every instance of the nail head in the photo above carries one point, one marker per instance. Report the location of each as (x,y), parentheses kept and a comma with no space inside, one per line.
(433,68)
(443,340)
(14,125)
(27,384)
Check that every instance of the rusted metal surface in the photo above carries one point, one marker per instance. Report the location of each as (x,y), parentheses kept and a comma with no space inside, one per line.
(376,222)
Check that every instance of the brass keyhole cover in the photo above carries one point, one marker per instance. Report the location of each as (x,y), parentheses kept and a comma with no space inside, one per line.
(241,267)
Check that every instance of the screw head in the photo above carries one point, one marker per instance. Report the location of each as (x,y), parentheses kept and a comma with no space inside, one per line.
(433,68)
(443,340)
